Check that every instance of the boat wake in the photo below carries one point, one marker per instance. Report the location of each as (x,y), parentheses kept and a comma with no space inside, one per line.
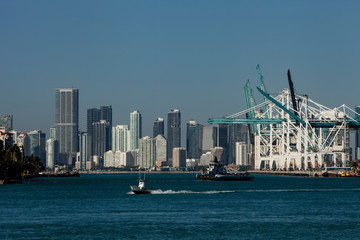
(158,191)
(300,190)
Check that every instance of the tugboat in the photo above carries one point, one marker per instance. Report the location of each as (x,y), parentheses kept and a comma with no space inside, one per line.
(216,171)
(140,189)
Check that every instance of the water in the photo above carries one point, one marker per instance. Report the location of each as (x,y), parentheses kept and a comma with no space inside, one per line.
(181,207)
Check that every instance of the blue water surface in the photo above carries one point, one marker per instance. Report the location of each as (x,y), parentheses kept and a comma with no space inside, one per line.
(101,206)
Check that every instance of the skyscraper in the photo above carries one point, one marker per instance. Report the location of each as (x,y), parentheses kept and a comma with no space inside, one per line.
(194,132)
(135,129)
(83,145)
(95,115)
(158,127)
(52,153)
(147,152)
(173,132)
(7,122)
(160,142)
(237,133)
(37,145)
(100,133)
(67,122)
(209,138)
(120,138)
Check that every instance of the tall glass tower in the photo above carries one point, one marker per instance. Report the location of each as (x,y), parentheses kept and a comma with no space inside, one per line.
(158,127)
(95,115)
(135,129)
(67,120)
(194,132)
(173,132)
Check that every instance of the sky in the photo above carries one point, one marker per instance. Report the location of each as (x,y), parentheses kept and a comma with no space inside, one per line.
(154,56)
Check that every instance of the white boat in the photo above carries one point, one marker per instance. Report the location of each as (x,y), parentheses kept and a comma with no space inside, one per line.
(140,189)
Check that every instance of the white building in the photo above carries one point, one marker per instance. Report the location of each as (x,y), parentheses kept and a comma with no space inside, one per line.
(52,153)
(160,142)
(135,129)
(147,152)
(120,138)
(242,154)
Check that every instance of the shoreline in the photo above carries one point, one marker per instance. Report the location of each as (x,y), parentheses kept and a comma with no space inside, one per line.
(137,172)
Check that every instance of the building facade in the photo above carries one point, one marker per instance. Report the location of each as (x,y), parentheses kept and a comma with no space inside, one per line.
(158,127)
(242,154)
(95,115)
(173,132)
(179,157)
(100,133)
(120,138)
(194,133)
(135,129)
(67,122)
(37,140)
(209,138)
(147,152)
(52,153)
(160,142)
(7,122)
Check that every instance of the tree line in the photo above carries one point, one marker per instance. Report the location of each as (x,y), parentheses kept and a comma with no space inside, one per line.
(14,166)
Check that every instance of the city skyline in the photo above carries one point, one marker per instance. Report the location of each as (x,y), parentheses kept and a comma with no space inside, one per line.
(152,57)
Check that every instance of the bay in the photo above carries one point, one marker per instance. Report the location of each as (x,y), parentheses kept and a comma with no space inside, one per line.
(101,206)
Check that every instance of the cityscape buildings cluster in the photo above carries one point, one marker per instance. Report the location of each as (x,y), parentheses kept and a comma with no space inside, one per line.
(106,146)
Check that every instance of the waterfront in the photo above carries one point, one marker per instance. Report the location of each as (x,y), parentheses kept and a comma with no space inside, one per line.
(182,207)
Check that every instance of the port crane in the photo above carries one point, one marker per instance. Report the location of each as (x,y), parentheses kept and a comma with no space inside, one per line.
(292,131)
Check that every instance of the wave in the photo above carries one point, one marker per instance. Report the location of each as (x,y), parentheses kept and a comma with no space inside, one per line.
(300,190)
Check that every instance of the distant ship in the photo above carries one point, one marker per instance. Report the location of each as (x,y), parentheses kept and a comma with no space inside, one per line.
(216,171)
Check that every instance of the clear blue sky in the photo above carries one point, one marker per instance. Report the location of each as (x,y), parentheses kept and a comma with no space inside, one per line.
(154,56)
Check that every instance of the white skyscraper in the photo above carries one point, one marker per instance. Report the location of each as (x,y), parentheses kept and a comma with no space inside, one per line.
(147,152)
(242,154)
(52,153)
(135,129)
(160,142)
(120,138)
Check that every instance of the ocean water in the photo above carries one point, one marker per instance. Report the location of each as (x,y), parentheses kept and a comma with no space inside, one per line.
(181,207)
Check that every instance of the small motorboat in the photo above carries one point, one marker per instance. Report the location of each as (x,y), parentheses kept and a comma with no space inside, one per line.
(140,189)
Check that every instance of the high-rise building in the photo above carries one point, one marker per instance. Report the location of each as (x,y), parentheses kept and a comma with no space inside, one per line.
(194,133)
(67,122)
(160,142)
(100,133)
(147,152)
(173,132)
(158,127)
(53,132)
(83,152)
(23,142)
(95,115)
(237,133)
(179,157)
(52,153)
(120,138)
(37,141)
(209,138)
(222,135)
(7,122)
(242,154)
(135,129)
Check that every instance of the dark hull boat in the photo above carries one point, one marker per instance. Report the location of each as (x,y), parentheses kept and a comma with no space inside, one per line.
(217,172)
(226,177)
